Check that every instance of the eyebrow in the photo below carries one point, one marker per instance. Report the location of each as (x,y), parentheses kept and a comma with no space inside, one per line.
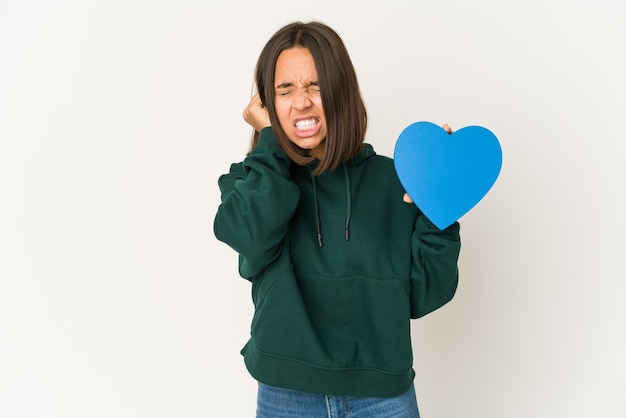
(284,85)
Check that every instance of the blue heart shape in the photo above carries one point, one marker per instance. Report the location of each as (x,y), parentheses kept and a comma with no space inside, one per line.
(446,175)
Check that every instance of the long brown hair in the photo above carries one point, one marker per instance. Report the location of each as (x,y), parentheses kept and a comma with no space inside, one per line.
(343,105)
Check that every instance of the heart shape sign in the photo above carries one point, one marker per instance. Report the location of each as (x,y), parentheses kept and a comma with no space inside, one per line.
(445,174)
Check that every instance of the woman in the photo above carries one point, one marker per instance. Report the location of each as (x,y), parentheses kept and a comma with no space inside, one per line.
(339,264)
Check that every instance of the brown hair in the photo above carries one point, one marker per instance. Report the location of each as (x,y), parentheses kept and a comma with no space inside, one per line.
(343,105)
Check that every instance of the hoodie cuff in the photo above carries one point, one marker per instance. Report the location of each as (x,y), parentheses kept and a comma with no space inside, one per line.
(268,144)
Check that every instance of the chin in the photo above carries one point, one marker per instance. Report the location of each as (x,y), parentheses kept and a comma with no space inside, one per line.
(307,143)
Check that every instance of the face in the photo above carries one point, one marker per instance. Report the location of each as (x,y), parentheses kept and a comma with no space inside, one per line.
(298,102)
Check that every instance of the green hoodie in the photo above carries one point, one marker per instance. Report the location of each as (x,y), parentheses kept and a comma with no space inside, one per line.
(339,264)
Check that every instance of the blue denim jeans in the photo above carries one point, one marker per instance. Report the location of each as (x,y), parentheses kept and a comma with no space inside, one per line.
(275,402)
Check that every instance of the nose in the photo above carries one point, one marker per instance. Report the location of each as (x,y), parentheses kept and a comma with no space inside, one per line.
(301,100)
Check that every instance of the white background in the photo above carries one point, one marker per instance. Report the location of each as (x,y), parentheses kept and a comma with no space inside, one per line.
(117,117)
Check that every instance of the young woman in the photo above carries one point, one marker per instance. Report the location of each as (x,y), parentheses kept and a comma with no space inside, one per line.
(339,263)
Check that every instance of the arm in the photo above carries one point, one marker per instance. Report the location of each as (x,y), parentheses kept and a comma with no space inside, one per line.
(434,272)
(258,201)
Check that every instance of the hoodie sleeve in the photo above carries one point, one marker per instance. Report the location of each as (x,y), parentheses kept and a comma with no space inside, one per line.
(258,200)
(434,272)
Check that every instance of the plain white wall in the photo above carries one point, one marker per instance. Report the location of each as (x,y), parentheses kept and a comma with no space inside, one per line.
(117,117)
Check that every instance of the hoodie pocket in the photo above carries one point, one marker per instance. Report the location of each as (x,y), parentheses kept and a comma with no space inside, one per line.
(335,323)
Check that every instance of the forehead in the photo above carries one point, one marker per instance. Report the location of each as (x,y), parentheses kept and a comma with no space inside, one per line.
(295,64)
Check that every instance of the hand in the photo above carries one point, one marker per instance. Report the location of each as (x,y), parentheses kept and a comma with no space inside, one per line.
(406,198)
(256,114)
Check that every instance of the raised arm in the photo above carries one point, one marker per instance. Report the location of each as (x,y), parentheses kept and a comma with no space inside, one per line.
(258,201)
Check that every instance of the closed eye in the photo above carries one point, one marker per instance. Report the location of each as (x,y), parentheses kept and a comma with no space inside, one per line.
(285,89)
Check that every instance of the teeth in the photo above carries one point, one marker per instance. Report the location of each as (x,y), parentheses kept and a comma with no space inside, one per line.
(306,124)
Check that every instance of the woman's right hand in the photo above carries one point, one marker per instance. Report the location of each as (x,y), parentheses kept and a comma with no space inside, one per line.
(256,114)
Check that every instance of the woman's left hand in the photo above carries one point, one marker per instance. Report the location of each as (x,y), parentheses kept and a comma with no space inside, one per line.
(446,128)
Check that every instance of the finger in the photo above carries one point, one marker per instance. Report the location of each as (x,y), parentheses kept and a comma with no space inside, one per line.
(407,198)
(447,128)
(256,101)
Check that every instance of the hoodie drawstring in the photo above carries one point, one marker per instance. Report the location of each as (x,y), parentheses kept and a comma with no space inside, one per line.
(348,207)
(348,202)
(317,212)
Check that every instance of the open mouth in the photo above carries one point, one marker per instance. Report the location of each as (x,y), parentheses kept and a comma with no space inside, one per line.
(307,127)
